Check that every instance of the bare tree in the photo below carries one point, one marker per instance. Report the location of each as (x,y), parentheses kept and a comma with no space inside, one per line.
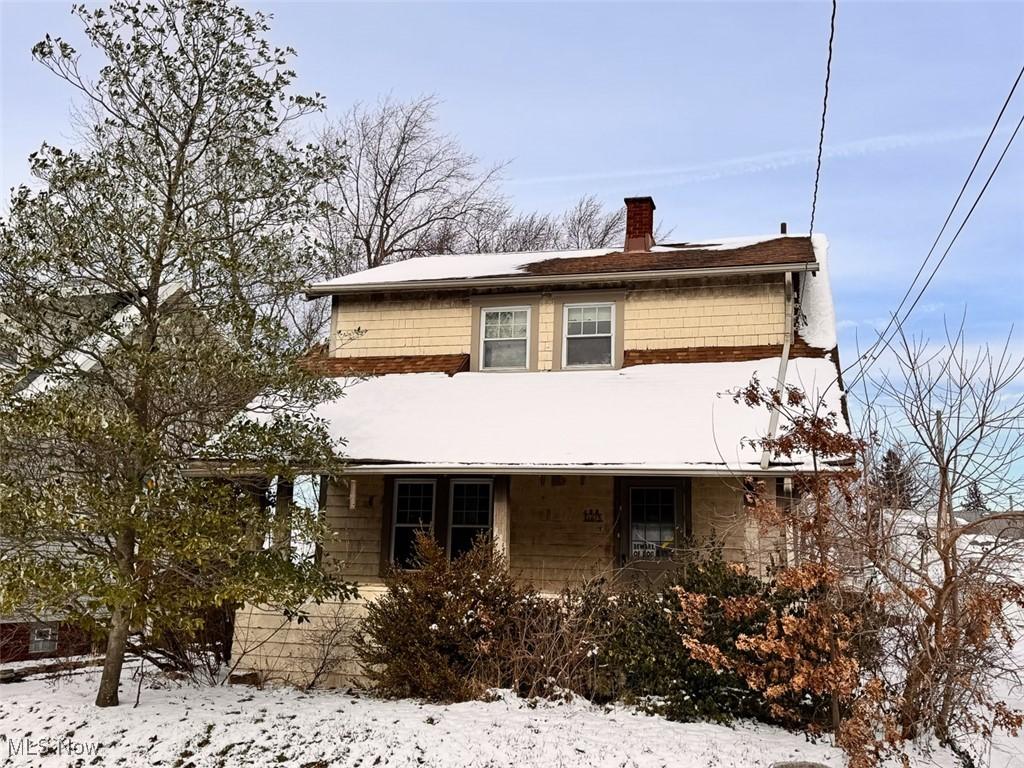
(399,187)
(588,225)
(404,182)
(963,411)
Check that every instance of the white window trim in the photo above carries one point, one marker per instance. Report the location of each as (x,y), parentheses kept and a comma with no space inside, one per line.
(451,508)
(675,510)
(565,336)
(484,311)
(53,637)
(395,525)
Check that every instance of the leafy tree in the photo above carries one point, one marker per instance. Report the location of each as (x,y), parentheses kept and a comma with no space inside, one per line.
(147,288)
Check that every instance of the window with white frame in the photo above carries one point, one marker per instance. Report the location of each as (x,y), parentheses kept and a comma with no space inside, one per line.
(43,638)
(505,338)
(413,514)
(589,335)
(471,506)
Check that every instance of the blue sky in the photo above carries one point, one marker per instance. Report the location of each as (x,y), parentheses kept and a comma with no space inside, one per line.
(711,108)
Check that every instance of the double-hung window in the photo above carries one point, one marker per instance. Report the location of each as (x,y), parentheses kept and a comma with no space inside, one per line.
(505,339)
(471,505)
(43,639)
(413,514)
(589,335)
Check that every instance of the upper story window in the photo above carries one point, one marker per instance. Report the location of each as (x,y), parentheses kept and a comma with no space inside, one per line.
(505,338)
(589,335)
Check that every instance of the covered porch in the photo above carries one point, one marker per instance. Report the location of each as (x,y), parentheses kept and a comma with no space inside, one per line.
(555,529)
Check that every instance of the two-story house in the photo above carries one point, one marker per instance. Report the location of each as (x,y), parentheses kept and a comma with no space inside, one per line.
(569,404)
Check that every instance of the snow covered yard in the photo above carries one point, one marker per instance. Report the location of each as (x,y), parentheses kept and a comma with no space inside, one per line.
(49,723)
(230,726)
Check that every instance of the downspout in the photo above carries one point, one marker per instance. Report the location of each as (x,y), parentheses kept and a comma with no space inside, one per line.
(780,380)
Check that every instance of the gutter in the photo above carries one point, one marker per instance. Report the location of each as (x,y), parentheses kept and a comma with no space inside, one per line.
(563,469)
(212,469)
(453,284)
(780,379)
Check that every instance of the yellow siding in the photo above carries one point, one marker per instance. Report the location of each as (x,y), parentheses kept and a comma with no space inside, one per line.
(719,516)
(278,650)
(695,313)
(434,326)
(545,333)
(730,314)
(354,545)
(551,544)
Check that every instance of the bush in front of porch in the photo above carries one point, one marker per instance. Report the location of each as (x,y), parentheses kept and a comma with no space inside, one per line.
(453,630)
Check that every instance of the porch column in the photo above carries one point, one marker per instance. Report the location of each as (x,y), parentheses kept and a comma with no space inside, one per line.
(501,515)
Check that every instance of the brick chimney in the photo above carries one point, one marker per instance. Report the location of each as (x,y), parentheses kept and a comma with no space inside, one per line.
(639,223)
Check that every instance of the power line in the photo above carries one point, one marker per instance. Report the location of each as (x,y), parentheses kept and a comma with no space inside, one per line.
(949,216)
(938,264)
(824,113)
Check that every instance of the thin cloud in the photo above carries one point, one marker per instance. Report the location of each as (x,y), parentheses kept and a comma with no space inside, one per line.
(769,161)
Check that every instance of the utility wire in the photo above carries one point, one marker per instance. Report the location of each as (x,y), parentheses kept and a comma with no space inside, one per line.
(942,230)
(938,264)
(882,337)
(824,113)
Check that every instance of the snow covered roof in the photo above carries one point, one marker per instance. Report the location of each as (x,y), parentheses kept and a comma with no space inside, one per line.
(649,418)
(723,255)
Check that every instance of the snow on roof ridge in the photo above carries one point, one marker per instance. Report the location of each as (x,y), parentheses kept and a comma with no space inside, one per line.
(512,263)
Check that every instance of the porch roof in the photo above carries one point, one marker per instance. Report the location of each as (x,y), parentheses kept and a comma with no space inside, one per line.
(668,418)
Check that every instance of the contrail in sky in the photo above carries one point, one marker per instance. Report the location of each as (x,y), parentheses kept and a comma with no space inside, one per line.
(769,161)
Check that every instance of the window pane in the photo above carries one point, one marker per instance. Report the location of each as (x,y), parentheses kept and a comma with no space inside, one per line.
(604,326)
(43,639)
(588,351)
(505,354)
(471,504)
(506,324)
(652,521)
(405,541)
(414,503)
(463,538)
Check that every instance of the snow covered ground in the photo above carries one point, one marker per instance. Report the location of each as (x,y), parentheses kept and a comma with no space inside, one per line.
(183,726)
(234,726)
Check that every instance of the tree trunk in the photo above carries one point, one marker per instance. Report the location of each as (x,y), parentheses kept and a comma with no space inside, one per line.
(116,641)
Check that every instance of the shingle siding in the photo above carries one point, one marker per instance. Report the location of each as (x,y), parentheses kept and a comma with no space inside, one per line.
(682,314)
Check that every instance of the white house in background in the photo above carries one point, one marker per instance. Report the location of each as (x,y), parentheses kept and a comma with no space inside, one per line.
(568,404)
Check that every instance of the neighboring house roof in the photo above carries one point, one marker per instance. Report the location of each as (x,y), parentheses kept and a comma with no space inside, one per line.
(87,353)
(648,418)
(772,253)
